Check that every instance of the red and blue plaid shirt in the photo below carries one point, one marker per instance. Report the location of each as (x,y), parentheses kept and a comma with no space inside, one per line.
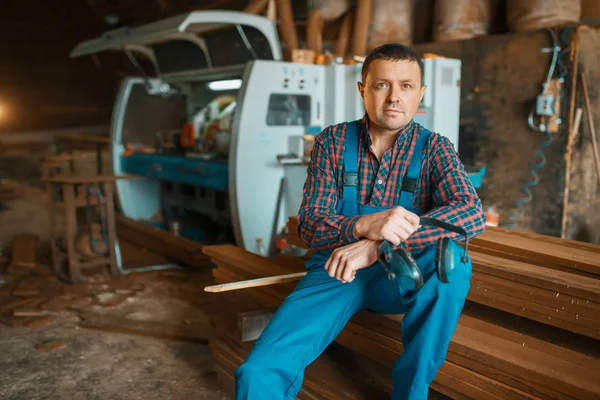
(443,190)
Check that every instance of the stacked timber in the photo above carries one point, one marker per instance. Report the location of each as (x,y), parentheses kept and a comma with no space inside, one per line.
(159,241)
(545,279)
(529,330)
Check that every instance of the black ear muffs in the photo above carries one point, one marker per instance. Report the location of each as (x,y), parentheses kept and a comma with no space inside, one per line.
(447,254)
(404,269)
(441,263)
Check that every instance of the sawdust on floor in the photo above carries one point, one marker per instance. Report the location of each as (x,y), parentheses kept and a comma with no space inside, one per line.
(103,365)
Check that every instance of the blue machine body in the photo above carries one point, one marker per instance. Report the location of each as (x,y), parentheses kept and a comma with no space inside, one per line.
(212,174)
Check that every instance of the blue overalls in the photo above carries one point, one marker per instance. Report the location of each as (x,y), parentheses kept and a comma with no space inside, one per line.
(320,306)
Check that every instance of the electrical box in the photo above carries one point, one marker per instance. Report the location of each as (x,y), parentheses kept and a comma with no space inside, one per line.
(545,105)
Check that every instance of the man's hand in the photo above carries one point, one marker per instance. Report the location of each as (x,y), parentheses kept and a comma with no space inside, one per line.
(394,225)
(346,260)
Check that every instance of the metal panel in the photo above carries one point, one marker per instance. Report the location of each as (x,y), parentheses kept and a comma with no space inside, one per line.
(168,29)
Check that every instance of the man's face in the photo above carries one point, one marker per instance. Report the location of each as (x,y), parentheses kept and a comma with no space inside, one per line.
(392,92)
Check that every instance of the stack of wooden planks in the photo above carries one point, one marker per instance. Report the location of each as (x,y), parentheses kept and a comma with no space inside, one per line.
(176,248)
(545,279)
(529,329)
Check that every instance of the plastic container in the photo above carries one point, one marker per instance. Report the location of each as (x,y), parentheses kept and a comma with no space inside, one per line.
(533,15)
(392,22)
(461,19)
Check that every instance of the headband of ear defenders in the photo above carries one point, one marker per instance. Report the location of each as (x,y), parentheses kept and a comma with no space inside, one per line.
(440,224)
(449,227)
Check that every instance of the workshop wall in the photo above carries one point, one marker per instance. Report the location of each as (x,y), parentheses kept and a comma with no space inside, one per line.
(501,77)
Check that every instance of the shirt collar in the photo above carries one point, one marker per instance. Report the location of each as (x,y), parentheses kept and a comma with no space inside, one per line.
(405,131)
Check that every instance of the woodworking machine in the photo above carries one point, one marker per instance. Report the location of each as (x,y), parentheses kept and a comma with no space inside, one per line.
(223,136)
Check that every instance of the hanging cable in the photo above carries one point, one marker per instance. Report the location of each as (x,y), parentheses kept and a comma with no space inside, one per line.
(527,188)
(539,127)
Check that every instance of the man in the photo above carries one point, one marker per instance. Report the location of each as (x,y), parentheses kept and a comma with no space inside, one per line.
(358,193)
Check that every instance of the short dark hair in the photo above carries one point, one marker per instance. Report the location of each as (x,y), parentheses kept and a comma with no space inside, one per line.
(392,52)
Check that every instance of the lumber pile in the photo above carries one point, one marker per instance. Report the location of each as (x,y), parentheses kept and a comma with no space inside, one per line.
(545,279)
(176,248)
(529,329)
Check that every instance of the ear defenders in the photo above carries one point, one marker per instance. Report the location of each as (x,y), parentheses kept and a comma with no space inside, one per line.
(404,269)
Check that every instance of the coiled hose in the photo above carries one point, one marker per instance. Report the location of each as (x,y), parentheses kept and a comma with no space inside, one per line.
(526,189)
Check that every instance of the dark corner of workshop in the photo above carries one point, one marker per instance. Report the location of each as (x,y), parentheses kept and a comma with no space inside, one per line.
(173,171)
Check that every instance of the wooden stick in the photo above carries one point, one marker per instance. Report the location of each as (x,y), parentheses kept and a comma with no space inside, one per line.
(590,118)
(27,312)
(269,280)
(571,141)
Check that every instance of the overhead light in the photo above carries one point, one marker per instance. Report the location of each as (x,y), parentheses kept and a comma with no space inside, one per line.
(230,84)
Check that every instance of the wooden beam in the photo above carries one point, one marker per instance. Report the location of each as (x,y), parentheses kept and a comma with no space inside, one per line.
(590,118)
(362,22)
(286,24)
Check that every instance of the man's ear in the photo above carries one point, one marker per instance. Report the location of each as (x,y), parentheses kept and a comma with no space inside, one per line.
(423,89)
(361,89)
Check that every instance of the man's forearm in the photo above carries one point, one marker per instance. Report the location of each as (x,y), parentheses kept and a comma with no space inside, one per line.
(468,216)
(327,232)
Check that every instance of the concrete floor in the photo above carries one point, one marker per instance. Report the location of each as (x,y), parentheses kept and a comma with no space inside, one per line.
(101,365)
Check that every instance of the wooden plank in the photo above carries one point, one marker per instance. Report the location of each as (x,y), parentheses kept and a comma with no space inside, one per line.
(24,251)
(527,309)
(577,258)
(558,281)
(106,323)
(576,244)
(474,248)
(28,312)
(572,304)
(252,323)
(50,346)
(29,286)
(164,243)
(525,340)
(74,179)
(38,322)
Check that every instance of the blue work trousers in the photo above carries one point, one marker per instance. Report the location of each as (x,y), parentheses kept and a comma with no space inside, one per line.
(313,315)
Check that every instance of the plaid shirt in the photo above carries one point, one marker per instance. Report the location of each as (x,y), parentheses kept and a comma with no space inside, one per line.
(443,191)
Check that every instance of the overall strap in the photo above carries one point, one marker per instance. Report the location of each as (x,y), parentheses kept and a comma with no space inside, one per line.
(351,162)
(409,182)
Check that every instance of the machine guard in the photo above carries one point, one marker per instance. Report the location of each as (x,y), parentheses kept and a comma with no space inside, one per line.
(187,27)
